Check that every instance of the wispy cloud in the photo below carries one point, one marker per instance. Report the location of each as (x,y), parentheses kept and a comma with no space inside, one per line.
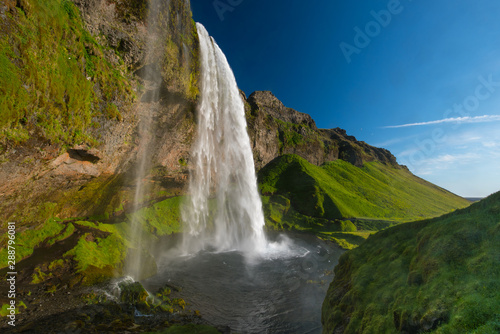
(393,141)
(467,119)
(490,144)
(443,162)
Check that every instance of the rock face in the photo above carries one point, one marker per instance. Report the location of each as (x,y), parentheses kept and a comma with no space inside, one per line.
(266,102)
(276,130)
(41,177)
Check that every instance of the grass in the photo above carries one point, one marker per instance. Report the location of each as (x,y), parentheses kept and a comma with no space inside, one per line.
(49,65)
(439,275)
(279,215)
(339,190)
(343,203)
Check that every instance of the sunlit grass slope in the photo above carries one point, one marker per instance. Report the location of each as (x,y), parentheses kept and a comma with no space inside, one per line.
(440,275)
(340,190)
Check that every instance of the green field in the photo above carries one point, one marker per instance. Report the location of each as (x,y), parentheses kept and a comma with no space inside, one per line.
(439,275)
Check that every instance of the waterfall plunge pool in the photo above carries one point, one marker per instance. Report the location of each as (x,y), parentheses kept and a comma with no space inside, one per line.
(279,291)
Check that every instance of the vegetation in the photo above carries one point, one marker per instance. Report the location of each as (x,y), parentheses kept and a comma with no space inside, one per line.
(339,190)
(279,215)
(49,66)
(34,236)
(180,66)
(131,10)
(343,203)
(292,135)
(162,218)
(438,275)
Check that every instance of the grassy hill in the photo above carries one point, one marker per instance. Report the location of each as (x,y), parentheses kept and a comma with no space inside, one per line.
(439,275)
(339,190)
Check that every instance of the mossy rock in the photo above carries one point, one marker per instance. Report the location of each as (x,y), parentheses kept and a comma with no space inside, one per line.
(133,293)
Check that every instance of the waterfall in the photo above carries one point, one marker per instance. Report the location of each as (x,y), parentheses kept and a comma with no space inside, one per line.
(224,210)
(152,79)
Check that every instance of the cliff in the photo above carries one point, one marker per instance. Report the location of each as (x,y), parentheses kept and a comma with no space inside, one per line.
(71,136)
(277,130)
(73,93)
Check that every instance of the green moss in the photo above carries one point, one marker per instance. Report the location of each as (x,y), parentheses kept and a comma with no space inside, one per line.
(67,232)
(113,112)
(56,264)
(49,65)
(99,198)
(162,218)
(132,10)
(346,240)
(94,298)
(438,275)
(347,226)
(279,215)
(133,293)
(39,276)
(106,253)
(179,302)
(4,310)
(32,237)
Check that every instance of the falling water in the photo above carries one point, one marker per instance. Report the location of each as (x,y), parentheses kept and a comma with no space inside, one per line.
(224,210)
(152,79)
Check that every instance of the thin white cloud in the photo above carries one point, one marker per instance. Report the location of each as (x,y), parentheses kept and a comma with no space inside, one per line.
(490,144)
(444,160)
(393,141)
(467,119)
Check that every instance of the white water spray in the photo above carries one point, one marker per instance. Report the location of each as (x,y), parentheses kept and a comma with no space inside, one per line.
(224,210)
(135,261)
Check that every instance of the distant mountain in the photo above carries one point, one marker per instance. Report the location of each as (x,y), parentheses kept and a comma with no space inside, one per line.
(439,275)
(473,199)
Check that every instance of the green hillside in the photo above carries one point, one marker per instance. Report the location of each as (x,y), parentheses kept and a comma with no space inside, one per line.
(440,275)
(339,190)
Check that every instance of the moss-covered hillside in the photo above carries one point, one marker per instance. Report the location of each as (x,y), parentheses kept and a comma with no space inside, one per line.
(338,189)
(50,68)
(72,96)
(440,276)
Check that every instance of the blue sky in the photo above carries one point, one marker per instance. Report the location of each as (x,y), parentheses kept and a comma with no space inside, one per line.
(371,67)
